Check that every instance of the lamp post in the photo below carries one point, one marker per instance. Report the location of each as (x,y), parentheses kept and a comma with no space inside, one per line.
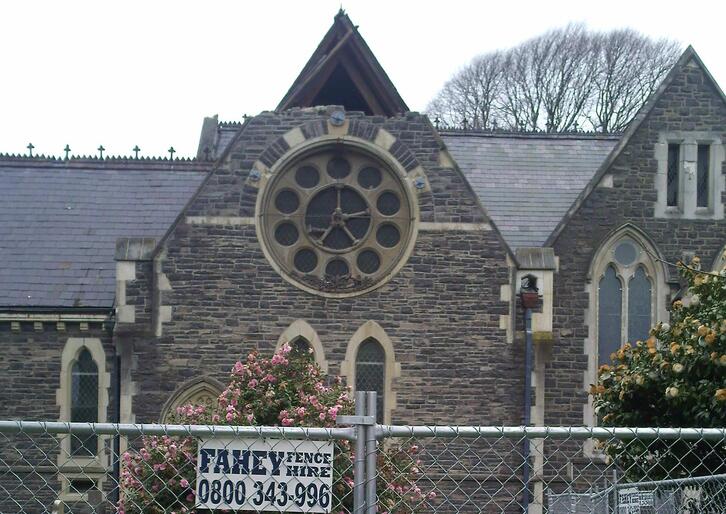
(529,297)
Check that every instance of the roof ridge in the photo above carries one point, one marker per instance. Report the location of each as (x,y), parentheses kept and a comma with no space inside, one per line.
(233,124)
(95,158)
(533,134)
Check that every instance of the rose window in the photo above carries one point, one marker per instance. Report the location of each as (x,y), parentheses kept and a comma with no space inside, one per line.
(336,221)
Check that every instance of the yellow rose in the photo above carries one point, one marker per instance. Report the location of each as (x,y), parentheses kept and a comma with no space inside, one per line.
(672,392)
(678,368)
(710,337)
(720,395)
(722,360)
(702,330)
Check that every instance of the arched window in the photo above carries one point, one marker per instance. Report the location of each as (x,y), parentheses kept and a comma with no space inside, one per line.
(610,300)
(301,346)
(84,402)
(302,337)
(370,371)
(628,293)
(626,306)
(82,397)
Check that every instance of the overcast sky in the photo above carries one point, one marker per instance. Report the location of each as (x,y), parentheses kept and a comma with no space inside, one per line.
(147,72)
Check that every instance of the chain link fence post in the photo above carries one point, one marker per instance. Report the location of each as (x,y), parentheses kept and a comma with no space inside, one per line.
(364,469)
(371,453)
(359,468)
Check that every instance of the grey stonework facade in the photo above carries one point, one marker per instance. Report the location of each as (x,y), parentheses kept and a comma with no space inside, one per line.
(690,102)
(158,267)
(447,341)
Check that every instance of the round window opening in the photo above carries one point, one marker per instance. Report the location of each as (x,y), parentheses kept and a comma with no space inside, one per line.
(337,220)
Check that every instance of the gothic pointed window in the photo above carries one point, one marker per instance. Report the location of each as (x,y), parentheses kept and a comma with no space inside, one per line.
(610,299)
(639,305)
(301,346)
(625,295)
(370,366)
(84,402)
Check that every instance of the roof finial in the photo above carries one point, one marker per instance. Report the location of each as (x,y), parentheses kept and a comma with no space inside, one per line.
(67,150)
(171,153)
(136,151)
(30,149)
(100,151)
(436,122)
(206,153)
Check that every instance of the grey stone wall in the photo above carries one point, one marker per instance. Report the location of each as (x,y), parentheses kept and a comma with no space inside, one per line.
(690,104)
(31,362)
(441,310)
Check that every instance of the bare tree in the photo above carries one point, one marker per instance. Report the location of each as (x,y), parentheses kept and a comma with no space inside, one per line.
(471,94)
(565,79)
(631,66)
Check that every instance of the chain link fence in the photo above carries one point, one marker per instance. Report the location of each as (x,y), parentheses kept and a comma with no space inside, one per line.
(359,467)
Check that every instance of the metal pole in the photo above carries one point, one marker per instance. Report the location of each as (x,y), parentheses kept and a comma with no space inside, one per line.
(527,402)
(359,462)
(371,397)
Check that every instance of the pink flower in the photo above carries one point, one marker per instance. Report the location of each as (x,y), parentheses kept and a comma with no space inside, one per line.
(322,416)
(431,495)
(250,417)
(286,422)
(230,416)
(252,383)
(184,482)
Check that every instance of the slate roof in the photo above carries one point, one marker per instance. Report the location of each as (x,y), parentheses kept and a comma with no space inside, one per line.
(527,182)
(59,222)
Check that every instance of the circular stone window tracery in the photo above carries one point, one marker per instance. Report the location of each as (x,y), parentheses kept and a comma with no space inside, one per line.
(337,220)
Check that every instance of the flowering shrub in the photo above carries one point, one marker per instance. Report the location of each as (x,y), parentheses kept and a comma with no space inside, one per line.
(287,390)
(676,378)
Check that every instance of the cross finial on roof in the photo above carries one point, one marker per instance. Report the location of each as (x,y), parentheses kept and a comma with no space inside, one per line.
(206,153)
(100,151)
(67,150)
(464,123)
(136,151)
(30,149)
(436,122)
(171,152)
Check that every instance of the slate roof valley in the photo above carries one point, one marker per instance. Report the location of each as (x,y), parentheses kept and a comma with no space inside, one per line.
(528,181)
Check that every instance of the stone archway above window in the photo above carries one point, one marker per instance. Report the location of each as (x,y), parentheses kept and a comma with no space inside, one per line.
(627,295)
(366,333)
(301,329)
(202,390)
(719,262)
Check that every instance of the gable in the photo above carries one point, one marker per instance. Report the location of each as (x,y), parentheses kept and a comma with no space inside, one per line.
(688,100)
(344,71)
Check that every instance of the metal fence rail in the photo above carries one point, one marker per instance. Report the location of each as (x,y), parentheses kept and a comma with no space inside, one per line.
(393,469)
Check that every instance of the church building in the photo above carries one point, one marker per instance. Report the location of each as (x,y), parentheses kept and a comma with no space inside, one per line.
(342,222)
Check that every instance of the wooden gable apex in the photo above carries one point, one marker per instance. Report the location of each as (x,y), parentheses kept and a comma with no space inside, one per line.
(344,71)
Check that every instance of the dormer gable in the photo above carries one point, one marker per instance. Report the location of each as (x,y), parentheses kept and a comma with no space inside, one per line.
(344,71)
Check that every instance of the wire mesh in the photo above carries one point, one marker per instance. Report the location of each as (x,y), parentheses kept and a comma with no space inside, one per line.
(175,468)
(456,469)
(569,471)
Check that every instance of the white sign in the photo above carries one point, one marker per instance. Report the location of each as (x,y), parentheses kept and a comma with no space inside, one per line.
(262,474)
